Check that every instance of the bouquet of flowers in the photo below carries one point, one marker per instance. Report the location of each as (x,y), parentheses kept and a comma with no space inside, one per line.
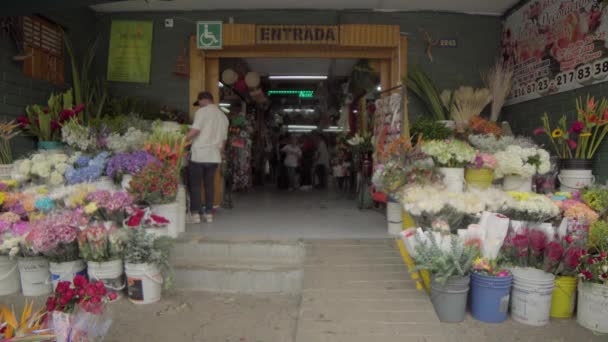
(449,153)
(145,248)
(155,184)
(389,177)
(144,218)
(30,326)
(524,162)
(481,125)
(484,161)
(562,256)
(45,122)
(598,236)
(168,147)
(78,136)
(596,198)
(132,140)
(72,196)
(594,267)
(12,237)
(79,310)
(42,168)
(361,144)
(108,206)
(490,143)
(489,268)
(86,169)
(128,163)
(55,235)
(101,242)
(577,210)
(530,207)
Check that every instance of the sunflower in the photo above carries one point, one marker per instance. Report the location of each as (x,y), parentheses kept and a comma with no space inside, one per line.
(557,133)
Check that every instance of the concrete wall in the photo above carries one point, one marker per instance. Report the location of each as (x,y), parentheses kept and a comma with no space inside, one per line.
(17,91)
(477,37)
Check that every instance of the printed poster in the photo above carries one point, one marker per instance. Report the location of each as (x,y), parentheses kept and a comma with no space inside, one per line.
(555,46)
(130,51)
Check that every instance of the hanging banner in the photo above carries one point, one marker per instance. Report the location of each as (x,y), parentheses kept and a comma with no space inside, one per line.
(130,51)
(555,46)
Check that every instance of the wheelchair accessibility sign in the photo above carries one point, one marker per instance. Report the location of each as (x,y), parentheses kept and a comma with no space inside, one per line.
(209,35)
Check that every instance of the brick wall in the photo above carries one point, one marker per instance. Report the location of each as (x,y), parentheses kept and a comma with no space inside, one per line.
(477,38)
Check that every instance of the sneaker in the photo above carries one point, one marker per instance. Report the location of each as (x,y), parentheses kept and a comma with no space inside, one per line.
(194,219)
(209,218)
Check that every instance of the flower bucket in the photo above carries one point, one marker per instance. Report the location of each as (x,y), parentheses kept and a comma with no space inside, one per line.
(517,183)
(9,276)
(66,271)
(394,217)
(591,311)
(111,273)
(490,297)
(50,145)
(125,182)
(170,211)
(531,296)
(453,178)
(574,180)
(144,283)
(35,276)
(563,299)
(6,170)
(479,178)
(450,300)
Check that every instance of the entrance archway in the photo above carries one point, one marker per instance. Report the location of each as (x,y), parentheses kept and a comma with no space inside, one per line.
(382,45)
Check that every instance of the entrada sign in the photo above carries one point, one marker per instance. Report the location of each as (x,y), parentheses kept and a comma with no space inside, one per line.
(297,34)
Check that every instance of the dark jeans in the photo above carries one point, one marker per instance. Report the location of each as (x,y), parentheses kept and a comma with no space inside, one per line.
(321,176)
(201,174)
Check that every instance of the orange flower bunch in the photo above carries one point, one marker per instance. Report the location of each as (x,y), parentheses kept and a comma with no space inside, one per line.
(484,126)
(395,149)
(167,147)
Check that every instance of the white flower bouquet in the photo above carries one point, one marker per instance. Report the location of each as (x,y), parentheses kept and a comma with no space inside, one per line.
(489,143)
(531,207)
(449,153)
(42,168)
(520,161)
(132,140)
(78,136)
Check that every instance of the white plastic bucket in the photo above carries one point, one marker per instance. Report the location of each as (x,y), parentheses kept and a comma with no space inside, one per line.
(66,271)
(9,276)
(110,272)
(394,217)
(181,209)
(144,283)
(170,212)
(35,276)
(531,296)
(574,180)
(453,178)
(125,182)
(517,183)
(592,311)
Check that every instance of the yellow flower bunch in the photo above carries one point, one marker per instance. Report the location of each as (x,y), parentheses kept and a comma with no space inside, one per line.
(42,190)
(90,208)
(36,216)
(519,196)
(2,197)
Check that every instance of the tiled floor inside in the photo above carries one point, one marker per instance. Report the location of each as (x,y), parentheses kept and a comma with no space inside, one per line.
(267,213)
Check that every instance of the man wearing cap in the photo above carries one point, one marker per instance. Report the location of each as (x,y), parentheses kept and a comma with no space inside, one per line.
(208,134)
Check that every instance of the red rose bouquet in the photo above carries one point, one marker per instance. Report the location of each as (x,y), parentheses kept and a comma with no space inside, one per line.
(155,184)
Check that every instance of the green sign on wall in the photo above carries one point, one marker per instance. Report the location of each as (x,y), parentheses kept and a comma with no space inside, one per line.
(209,35)
(130,51)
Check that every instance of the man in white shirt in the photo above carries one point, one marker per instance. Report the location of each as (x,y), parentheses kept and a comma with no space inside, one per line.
(322,162)
(208,134)
(293,153)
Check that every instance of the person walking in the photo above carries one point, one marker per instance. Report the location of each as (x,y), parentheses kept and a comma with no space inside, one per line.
(293,153)
(322,162)
(208,135)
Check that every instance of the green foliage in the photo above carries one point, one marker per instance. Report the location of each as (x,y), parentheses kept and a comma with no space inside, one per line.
(598,236)
(126,105)
(424,88)
(430,129)
(596,198)
(456,262)
(145,248)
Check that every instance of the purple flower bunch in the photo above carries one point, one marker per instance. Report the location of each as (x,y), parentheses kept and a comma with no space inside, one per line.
(129,163)
(111,201)
(86,169)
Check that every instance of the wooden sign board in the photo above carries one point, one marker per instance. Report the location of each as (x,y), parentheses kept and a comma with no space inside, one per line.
(298,34)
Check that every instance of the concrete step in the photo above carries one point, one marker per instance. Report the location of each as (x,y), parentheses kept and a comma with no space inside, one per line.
(246,266)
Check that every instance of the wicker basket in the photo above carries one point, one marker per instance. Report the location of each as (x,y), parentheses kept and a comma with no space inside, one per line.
(6,171)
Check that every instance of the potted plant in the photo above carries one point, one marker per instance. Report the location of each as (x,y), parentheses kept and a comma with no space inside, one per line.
(7,133)
(147,266)
(156,186)
(55,237)
(45,122)
(102,246)
(480,173)
(449,261)
(518,164)
(451,156)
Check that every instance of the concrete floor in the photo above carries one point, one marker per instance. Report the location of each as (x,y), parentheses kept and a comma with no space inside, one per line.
(266,213)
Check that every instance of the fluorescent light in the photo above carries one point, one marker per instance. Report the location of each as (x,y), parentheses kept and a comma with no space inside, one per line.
(309,110)
(299,130)
(379,88)
(288,110)
(301,127)
(220,84)
(355,111)
(298,77)
(222,104)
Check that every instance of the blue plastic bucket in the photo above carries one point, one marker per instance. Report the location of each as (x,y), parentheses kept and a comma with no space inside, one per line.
(490,297)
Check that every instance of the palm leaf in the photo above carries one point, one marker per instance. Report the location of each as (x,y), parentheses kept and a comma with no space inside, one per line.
(423,87)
